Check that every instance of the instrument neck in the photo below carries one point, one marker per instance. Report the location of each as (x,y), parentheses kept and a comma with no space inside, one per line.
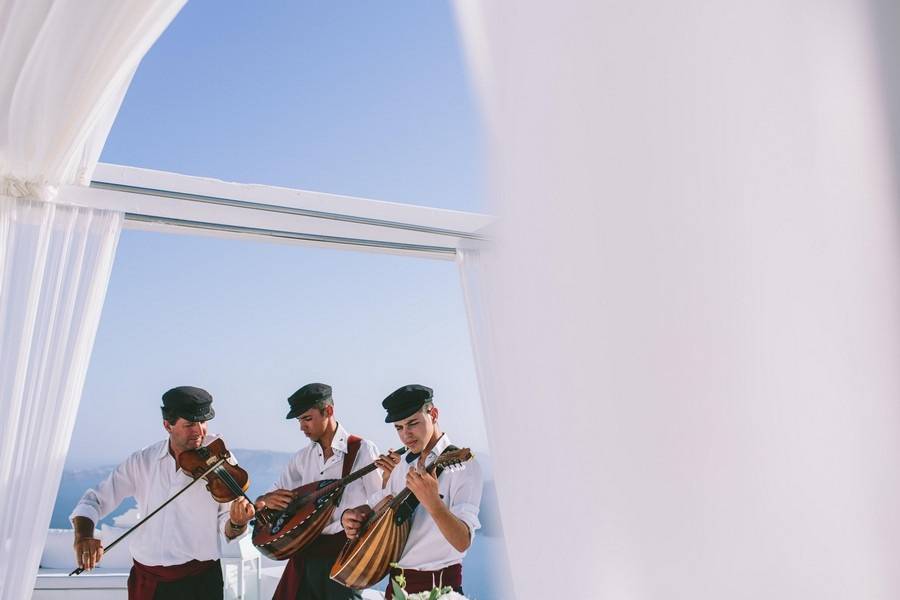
(356,475)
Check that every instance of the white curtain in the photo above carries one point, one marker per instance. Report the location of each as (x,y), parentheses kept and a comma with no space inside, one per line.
(693,306)
(64,68)
(473,269)
(56,262)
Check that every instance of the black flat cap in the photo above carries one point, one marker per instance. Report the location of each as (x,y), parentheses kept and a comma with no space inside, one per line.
(404,401)
(306,397)
(188,402)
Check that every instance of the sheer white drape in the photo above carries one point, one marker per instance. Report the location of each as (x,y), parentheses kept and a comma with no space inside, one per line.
(473,269)
(695,303)
(64,68)
(55,263)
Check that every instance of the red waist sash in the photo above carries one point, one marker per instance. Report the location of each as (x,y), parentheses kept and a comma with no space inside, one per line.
(425,581)
(143,579)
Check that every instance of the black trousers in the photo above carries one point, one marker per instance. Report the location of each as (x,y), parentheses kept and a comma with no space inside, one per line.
(317,585)
(208,585)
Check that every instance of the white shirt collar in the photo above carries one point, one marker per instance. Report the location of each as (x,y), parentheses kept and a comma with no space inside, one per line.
(163,449)
(440,446)
(339,441)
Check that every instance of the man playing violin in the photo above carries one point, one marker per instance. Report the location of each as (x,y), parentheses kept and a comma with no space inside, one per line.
(176,553)
(331,454)
(444,526)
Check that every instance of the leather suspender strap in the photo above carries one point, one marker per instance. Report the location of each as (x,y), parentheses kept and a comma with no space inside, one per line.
(353,444)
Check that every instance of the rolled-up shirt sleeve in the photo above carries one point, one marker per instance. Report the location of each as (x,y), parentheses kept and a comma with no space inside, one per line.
(465,498)
(98,502)
(291,475)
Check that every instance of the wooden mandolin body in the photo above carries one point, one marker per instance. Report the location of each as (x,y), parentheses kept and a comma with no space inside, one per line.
(292,529)
(365,561)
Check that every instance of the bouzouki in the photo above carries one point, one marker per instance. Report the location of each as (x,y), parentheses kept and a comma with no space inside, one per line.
(366,559)
(284,532)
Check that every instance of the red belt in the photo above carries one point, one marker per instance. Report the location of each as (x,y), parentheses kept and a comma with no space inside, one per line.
(143,579)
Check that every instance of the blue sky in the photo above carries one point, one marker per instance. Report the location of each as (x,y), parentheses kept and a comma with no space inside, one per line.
(354,98)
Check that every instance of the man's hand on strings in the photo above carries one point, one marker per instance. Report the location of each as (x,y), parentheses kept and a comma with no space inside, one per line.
(353,518)
(276,500)
(387,462)
(425,486)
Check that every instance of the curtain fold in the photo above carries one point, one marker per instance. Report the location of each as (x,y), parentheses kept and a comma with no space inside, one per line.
(473,271)
(65,67)
(476,262)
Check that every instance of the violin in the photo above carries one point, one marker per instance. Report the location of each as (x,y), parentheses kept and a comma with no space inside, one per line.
(225,481)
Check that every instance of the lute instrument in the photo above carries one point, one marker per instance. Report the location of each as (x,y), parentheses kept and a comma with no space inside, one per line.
(366,559)
(284,532)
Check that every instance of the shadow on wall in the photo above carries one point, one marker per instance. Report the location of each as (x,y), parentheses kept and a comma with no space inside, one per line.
(885,18)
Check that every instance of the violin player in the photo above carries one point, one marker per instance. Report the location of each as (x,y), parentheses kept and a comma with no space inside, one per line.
(443,527)
(176,554)
(332,453)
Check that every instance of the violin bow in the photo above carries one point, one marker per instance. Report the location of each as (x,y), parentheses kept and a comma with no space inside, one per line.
(80,570)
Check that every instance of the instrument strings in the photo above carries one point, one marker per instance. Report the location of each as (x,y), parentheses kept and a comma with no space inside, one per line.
(225,476)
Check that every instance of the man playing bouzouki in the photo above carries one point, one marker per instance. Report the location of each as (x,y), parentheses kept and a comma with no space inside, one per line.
(306,574)
(443,527)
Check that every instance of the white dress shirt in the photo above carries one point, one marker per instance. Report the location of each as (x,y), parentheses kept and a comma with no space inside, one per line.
(309,465)
(426,548)
(187,529)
